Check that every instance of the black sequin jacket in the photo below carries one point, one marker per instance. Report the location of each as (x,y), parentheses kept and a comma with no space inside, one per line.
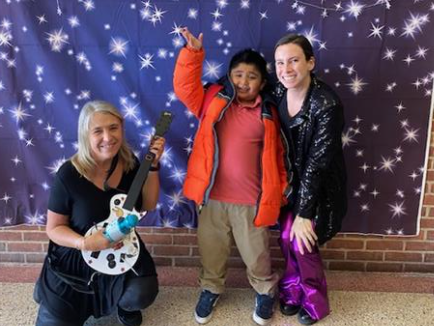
(315,158)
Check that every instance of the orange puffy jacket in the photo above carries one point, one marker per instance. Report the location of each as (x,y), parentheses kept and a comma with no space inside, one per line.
(208,105)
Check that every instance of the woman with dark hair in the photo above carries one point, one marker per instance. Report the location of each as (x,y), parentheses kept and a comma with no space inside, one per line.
(312,121)
(68,290)
(236,174)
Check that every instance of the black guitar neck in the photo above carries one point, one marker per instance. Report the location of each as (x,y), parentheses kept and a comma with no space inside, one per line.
(142,174)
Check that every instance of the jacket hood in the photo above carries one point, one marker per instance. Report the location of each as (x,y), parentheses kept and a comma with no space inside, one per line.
(268,99)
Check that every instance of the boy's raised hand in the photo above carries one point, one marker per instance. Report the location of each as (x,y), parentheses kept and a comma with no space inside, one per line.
(192,41)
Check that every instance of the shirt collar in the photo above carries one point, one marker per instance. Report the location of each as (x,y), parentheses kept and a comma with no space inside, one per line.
(250,106)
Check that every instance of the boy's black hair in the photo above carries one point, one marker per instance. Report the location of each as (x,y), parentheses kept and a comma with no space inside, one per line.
(250,57)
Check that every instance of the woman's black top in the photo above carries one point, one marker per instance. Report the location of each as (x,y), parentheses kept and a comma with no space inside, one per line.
(86,205)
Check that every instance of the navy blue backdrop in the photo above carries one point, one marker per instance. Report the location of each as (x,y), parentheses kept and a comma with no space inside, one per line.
(56,55)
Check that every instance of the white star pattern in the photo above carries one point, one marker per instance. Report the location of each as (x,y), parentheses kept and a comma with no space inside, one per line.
(19,113)
(384,78)
(212,69)
(175,200)
(397,209)
(56,165)
(356,85)
(146,61)
(74,21)
(387,164)
(88,4)
(192,13)
(389,54)
(35,218)
(118,46)
(374,193)
(178,175)
(376,31)
(245,4)
(41,19)
(16,160)
(411,135)
(354,9)
(5,38)
(57,40)
(6,198)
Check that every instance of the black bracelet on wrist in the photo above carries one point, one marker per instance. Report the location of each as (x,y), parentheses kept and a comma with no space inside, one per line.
(155,168)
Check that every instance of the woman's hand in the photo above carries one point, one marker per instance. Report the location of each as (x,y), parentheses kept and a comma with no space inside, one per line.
(192,42)
(304,234)
(157,147)
(95,242)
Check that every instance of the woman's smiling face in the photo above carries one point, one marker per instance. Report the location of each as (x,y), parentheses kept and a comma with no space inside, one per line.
(292,67)
(105,136)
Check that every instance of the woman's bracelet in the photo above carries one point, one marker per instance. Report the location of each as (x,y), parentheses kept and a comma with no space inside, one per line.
(155,168)
(79,243)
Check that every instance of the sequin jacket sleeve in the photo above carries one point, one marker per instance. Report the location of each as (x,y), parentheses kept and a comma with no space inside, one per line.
(326,126)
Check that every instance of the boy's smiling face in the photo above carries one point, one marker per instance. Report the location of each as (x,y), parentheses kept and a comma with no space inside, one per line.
(248,82)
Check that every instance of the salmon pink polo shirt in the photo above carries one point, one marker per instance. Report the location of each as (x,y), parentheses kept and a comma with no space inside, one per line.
(240,137)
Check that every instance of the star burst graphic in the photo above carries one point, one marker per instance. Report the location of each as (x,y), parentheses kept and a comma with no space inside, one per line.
(57,40)
(381,68)
(118,47)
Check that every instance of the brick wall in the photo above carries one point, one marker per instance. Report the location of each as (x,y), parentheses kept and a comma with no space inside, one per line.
(178,247)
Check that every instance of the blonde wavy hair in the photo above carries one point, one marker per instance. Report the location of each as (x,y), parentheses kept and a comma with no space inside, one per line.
(82,160)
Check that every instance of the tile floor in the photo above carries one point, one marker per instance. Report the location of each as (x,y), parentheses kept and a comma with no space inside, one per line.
(357,299)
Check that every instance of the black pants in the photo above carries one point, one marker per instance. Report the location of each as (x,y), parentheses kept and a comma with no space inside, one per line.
(139,293)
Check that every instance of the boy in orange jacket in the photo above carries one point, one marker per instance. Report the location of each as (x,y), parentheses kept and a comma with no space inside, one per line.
(236,172)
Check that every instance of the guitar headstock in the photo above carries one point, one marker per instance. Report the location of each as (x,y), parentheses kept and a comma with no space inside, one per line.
(163,123)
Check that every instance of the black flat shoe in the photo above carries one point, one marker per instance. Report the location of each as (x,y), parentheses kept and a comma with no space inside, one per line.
(288,309)
(130,318)
(304,318)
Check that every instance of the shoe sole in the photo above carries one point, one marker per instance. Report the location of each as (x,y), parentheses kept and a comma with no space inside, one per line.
(126,323)
(290,313)
(260,321)
(204,320)
(305,322)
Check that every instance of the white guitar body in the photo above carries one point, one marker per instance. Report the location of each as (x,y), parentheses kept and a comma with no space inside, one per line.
(122,257)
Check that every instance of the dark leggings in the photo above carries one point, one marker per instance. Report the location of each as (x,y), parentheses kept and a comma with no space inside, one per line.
(139,293)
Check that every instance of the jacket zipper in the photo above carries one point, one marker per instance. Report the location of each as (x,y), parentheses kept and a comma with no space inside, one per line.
(216,151)
(258,201)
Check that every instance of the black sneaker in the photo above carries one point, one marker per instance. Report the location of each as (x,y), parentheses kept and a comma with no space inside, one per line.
(130,318)
(289,309)
(304,318)
(205,306)
(264,309)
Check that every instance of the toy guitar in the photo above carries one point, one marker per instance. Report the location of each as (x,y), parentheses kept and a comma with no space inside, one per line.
(123,217)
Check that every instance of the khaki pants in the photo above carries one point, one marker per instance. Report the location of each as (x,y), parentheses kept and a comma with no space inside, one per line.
(217,224)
